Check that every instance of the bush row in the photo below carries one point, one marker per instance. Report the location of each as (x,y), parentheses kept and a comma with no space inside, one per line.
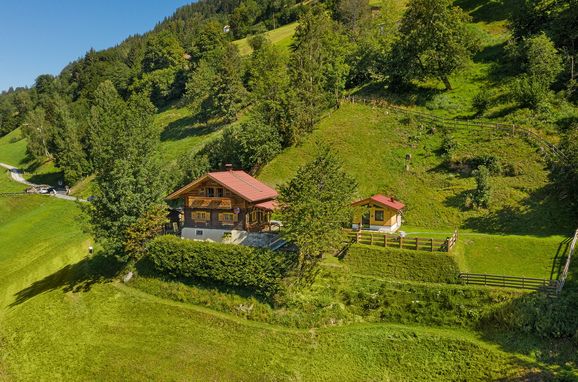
(258,270)
(402,264)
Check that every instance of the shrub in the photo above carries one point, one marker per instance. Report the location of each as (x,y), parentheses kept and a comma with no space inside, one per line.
(539,314)
(482,194)
(482,101)
(449,146)
(529,91)
(258,270)
(402,264)
(491,162)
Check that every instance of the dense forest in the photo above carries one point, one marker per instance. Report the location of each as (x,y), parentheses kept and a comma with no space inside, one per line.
(97,112)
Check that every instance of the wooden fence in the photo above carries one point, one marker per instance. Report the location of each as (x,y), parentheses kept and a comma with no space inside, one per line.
(395,241)
(13,193)
(528,283)
(562,279)
(547,147)
(552,287)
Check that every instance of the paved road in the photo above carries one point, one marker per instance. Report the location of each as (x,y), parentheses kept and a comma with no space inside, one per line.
(16,175)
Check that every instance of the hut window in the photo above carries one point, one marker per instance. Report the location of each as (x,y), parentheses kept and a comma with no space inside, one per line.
(227,217)
(200,216)
(220,192)
(210,192)
(379,215)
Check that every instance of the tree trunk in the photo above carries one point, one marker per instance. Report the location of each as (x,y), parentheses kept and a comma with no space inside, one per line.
(446,82)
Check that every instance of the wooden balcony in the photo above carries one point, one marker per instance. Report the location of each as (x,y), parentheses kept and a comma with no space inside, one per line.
(209,203)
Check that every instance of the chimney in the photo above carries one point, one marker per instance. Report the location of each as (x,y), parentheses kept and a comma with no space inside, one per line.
(229,167)
(392,199)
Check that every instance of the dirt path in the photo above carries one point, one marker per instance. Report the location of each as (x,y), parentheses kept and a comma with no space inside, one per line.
(16,175)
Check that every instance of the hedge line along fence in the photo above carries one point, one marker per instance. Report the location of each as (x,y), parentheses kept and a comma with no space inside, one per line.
(256,269)
(547,147)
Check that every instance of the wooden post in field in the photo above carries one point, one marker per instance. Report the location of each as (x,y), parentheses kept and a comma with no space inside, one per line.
(417,243)
(385,240)
(371,240)
(400,242)
(431,245)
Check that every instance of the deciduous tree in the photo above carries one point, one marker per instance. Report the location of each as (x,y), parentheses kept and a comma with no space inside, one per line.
(434,42)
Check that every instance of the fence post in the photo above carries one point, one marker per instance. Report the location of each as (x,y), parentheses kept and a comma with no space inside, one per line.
(357,236)
(431,245)
(371,239)
(385,241)
(417,243)
(400,242)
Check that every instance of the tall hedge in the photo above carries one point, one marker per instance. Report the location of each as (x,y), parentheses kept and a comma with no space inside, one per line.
(256,269)
(402,264)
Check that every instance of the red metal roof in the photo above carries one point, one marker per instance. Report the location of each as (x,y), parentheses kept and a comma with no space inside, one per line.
(244,185)
(270,205)
(238,182)
(383,200)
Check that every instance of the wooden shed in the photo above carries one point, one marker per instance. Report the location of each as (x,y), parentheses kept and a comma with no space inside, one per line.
(379,213)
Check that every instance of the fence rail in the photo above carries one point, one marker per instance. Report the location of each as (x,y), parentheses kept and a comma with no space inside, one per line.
(395,241)
(550,286)
(12,193)
(544,145)
(564,274)
(528,283)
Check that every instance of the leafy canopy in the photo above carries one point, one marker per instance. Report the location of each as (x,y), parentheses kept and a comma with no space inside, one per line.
(434,42)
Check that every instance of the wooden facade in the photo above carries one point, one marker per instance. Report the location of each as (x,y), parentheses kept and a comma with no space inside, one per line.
(378,213)
(226,202)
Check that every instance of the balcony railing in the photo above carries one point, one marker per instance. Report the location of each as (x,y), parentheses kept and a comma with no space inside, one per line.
(209,203)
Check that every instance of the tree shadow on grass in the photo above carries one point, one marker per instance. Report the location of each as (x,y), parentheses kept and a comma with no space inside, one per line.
(487,10)
(542,214)
(50,178)
(79,277)
(560,258)
(189,127)
(414,95)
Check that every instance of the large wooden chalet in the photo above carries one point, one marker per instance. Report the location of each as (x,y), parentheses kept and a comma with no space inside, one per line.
(227,200)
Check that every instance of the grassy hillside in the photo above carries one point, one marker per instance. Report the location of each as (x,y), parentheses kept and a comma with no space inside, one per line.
(47,285)
(281,37)
(116,328)
(13,148)
(373,144)
(181,134)
(38,236)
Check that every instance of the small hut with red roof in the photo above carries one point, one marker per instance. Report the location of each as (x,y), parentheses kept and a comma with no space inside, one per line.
(226,201)
(381,213)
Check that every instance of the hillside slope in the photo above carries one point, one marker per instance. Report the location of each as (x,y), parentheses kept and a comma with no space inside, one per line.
(373,144)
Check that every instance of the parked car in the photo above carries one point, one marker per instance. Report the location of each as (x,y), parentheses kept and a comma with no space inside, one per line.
(43,189)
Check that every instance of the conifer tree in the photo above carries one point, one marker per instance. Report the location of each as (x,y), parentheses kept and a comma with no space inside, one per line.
(128,178)
(315,206)
(318,66)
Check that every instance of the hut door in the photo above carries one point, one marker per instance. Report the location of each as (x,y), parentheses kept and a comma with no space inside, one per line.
(365,220)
